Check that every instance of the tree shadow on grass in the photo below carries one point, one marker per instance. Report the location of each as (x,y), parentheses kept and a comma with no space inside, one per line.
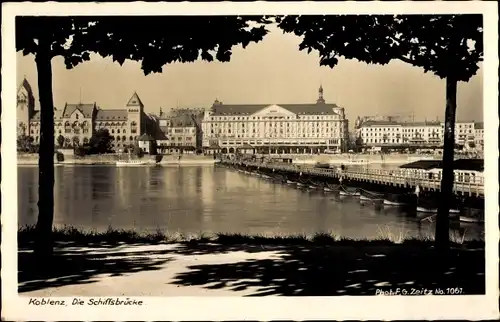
(71,265)
(344,270)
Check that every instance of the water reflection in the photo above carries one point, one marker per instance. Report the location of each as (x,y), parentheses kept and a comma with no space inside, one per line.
(193,199)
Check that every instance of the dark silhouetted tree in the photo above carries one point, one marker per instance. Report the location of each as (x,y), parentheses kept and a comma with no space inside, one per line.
(155,41)
(60,141)
(449,46)
(24,143)
(101,142)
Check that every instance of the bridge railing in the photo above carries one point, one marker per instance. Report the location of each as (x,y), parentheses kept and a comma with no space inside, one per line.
(469,185)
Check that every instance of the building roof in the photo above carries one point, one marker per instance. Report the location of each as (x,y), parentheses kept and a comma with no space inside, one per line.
(468,164)
(57,115)
(422,164)
(145,137)
(395,123)
(135,100)
(26,85)
(460,164)
(300,109)
(86,109)
(111,115)
(214,146)
(380,123)
(246,146)
(423,123)
(183,120)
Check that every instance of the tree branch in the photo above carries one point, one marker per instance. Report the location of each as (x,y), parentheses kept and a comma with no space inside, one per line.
(407,60)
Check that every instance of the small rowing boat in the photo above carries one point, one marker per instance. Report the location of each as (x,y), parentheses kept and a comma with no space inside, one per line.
(366,195)
(348,193)
(435,210)
(393,203)
(470,219)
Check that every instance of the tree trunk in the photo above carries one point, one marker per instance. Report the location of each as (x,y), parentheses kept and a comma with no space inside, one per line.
(442,239)
(43,245)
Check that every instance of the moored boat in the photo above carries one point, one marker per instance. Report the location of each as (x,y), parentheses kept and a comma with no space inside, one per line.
(435,210)
(468,219)
(366,195)
(349,192)
(330,188)
(130,163)
(393,203)
(399,200)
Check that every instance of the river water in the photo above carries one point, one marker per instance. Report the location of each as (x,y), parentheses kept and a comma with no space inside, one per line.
(195,199)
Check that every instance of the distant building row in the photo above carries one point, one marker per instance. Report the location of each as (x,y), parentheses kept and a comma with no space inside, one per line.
(387,133)
(271,128)
(262,128)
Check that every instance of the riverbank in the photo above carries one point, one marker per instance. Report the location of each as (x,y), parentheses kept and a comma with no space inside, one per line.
(71,160)
(117,236)
(128,263)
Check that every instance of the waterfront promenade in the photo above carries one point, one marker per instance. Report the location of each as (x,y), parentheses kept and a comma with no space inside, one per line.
(389,177)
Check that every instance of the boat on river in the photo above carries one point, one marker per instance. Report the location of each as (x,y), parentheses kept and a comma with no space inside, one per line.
(435,210)
(350,192)
(399,200)
(366,195)
(130,163)
(330,188)
(431,206)
(467,219)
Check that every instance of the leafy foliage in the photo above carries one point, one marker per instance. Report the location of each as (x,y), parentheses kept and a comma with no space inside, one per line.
(60,141)
(153,40)
(100,143)
(446,45)
(137,151)
(25,143)
(59,156)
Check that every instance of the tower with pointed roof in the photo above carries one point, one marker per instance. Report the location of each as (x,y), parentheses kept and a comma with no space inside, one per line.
(25,108)
(135,113)
(320,100)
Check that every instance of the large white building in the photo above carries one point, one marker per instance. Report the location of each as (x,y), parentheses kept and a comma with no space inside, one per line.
(387,133)
(276,128)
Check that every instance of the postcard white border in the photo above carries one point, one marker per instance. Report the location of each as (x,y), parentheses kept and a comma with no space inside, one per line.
(264,308)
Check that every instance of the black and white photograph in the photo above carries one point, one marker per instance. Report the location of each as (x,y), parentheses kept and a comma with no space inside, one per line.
(251,160)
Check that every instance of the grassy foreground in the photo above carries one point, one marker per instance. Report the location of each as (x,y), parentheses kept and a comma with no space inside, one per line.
(115,236)
(322,264)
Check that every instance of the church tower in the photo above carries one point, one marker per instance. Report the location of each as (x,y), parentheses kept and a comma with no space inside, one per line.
(25,108)
(135,115)
(320,100)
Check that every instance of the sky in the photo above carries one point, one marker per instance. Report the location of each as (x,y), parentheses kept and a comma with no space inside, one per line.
(272,71)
